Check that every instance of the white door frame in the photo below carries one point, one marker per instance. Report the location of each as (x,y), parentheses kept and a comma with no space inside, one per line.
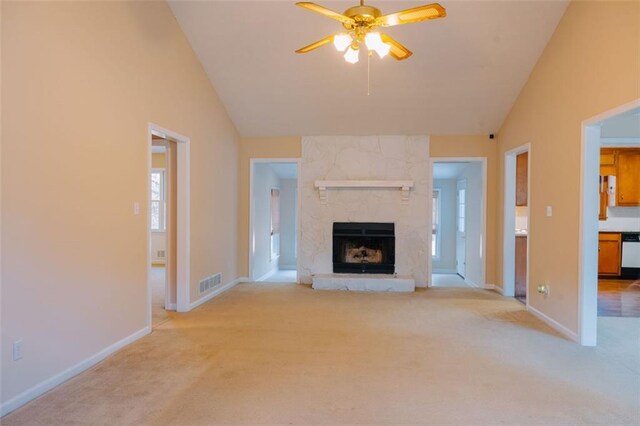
(509,222)
(252,163)
(182,219)
(588,238)
(483,161)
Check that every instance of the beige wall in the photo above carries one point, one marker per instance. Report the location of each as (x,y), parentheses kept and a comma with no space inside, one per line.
(476,146)
(283,147)
(82,80)
(590,65)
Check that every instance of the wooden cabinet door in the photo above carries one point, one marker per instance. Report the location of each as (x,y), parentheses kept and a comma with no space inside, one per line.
(609,246)
(628,179)
(522,174)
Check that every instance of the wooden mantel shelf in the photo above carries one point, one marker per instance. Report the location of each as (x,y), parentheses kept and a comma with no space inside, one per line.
(403,185)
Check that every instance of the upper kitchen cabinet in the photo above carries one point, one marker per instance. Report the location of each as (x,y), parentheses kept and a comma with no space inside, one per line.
(607,162)
(522,164)
(628,178)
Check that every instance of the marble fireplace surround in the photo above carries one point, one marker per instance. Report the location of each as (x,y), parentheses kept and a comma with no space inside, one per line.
(385,161)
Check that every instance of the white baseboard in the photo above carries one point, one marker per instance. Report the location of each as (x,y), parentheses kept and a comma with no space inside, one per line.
(216,291)
(471,283)
(268,274)
(171,306)
(553,324)
(46,385)
(495,288)
(444,271)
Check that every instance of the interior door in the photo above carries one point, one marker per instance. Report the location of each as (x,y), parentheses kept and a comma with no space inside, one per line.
(461,227)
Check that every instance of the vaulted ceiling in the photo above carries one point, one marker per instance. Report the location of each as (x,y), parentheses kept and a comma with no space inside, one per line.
(465,74)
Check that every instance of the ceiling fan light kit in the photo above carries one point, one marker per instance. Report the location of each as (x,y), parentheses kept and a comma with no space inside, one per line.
(361,23)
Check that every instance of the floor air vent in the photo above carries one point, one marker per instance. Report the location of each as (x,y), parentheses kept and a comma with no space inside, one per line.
(210,282)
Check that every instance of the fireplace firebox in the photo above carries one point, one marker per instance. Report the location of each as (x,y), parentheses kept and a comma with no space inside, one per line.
(364,247)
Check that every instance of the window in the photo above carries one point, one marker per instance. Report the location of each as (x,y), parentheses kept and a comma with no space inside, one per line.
(275,223)
(461,209)
(158,201)
(435,225)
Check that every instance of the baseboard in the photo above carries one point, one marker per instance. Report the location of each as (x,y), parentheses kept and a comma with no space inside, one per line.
(553,324)
(216,291)
(268,274)
(444,271)
(171,306)
(45,386)
(495,288)
(471,283)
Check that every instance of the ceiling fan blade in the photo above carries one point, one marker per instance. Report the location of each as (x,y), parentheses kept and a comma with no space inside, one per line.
(417,14)
(326,12)
(315,45)
(398,51)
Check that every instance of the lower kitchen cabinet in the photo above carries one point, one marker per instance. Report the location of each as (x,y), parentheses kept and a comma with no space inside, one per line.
(609,253)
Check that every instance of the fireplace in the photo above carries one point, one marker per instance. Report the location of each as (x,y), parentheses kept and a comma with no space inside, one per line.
(364,248)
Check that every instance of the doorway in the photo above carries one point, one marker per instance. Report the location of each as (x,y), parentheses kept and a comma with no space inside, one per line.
(610,224)
(167,224)
(458,222)
(273,233)
(516,223)
(162,213)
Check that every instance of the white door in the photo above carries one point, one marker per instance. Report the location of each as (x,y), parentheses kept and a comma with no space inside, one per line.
(461,238)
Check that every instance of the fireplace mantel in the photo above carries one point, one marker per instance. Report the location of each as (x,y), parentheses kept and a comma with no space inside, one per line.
(324,185)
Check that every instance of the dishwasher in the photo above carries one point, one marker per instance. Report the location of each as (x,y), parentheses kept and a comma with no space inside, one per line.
(630,255)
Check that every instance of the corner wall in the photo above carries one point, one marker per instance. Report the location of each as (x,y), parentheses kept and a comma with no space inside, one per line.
(81,82)
(590,65)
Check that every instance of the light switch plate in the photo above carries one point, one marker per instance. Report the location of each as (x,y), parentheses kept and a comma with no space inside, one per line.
(549,211)
(136,208)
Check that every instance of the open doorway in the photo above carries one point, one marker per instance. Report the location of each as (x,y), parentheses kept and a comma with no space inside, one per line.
(167,224)
(458,222)
(273,232)
(516,224)
(162,284)
(610,225)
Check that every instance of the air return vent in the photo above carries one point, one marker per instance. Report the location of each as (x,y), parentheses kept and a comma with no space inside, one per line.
(210,282)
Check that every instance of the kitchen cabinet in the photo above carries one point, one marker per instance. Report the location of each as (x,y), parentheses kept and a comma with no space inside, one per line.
(522,176)
(609,253)
(607,162)
(521,266)
(628,178)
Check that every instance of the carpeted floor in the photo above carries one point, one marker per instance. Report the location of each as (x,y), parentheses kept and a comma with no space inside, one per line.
(286,354)
(158,313)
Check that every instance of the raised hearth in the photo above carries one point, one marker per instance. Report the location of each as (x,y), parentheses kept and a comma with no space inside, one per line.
(363,282)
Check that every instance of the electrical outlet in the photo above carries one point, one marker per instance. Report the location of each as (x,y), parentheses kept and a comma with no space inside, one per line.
(17,350)
(543,289)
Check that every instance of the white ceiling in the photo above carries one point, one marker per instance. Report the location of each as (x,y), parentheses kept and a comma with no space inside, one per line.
(466,71)
(285,170)
(448,170)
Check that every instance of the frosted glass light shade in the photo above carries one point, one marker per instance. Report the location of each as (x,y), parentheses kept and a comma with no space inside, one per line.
(373,40)
(352,55)
(341,42)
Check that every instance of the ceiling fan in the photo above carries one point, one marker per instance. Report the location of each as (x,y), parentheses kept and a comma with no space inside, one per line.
(361,23)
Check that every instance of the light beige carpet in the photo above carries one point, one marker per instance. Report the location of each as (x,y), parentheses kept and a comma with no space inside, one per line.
(158,313)
(286,354)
